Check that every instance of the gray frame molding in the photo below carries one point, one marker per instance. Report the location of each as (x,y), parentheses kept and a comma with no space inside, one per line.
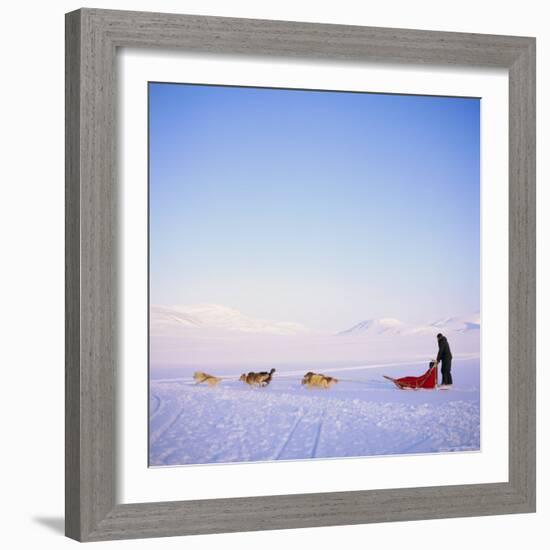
(92,38)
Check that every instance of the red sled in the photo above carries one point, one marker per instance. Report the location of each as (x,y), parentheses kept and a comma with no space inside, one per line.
(428,381)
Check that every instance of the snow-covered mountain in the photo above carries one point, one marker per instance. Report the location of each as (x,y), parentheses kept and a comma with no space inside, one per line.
(214,316)
(464,323)
(391,326)
(221,318)
(387,326)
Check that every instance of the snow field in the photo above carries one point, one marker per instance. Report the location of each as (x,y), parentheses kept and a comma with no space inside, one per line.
(364,416)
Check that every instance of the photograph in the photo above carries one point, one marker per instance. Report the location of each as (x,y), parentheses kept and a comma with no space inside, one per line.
(314,274)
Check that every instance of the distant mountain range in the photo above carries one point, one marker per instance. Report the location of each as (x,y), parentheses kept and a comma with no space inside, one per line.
(386,325)
(378,327)
(218,317)
(461,324)
(213,316)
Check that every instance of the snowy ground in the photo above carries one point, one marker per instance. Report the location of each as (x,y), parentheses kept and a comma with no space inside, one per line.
(363,415)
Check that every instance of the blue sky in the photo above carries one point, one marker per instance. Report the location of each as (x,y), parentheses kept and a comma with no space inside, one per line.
(324,208)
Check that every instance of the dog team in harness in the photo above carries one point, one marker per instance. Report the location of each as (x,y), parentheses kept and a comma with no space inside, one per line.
(428,380)
(262,379)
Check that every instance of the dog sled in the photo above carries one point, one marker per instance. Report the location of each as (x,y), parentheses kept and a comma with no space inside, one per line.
(428,381)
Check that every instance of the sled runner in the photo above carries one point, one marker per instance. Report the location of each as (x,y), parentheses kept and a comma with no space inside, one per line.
(427,381)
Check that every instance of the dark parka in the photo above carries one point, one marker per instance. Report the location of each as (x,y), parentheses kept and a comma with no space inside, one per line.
(444,354)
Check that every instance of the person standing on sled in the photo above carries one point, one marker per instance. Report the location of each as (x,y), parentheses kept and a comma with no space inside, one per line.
(445,356)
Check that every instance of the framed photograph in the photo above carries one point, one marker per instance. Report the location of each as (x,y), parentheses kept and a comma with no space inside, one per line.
(300,275)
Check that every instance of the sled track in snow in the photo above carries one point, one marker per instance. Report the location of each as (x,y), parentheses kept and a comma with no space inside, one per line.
(291,433)
(167,427)
(318,435)
(156,408)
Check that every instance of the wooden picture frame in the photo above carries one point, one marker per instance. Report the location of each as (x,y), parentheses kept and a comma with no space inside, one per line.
(92,39)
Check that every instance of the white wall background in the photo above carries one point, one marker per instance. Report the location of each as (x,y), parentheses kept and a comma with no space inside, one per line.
(31,274)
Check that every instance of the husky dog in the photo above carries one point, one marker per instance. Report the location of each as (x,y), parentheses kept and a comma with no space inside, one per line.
(313,380)
(268,377)
(208,378)
(260,379)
